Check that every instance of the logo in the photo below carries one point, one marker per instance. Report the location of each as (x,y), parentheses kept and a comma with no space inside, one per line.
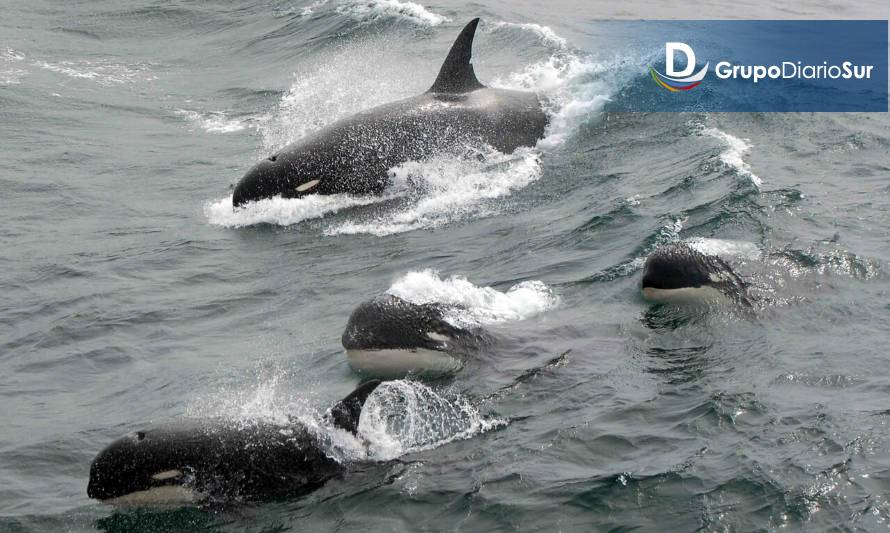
(683,80)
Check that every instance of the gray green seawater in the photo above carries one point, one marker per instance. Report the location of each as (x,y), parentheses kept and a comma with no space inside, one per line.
(131,293)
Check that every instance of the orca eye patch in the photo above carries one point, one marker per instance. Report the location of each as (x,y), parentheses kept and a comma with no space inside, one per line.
(166,474)
(308,185)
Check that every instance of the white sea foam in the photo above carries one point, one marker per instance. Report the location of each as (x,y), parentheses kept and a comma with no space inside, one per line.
(10,55)
(375,9)
(732,156)
(452,188)
(10,61)
(310,9)
(477,305)
(12,76)
(214,122)
(544,33)
(725,247)
(282,211)
(106,73)
(406,416)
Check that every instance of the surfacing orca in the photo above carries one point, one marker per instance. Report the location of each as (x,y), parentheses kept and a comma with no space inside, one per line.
(676,273)
(217,460)
(355,154)
(389,337)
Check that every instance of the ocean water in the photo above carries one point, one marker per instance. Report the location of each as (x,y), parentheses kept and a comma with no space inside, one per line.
(132,293)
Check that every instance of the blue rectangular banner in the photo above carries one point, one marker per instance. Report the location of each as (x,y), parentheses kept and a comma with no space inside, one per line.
(752,65)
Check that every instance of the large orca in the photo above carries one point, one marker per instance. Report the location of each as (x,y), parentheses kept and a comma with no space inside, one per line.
(676,273)
(354,155)
(389,337)
(217,460)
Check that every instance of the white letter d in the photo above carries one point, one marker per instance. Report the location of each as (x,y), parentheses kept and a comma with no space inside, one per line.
(669,49)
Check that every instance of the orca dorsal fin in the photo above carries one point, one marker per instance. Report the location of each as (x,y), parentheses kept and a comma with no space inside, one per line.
(456,74)
(345,413)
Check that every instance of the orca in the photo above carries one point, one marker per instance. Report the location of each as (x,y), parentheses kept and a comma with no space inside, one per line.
(218,460)
(389,337)
(354,155)
(676,273)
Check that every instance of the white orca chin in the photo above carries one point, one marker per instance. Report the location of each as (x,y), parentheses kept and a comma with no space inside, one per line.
(395,363)
(165,495)
(685,295)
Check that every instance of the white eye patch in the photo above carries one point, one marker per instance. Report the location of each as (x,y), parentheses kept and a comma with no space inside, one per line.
(166,474)
(308,185)
(438,337)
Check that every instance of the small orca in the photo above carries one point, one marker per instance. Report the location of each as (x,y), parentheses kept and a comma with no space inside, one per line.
(676,273)
(215,460)
(354,155)
(389,337)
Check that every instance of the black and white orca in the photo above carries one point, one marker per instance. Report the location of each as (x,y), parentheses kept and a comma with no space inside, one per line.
(217,460)
(676,273)
(354,155)
(389,337)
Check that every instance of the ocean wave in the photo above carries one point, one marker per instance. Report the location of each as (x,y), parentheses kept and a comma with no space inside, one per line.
(376,9)
(574,88)
(544,33)
(732,156)
(213,122)
(668,232)
(476,305)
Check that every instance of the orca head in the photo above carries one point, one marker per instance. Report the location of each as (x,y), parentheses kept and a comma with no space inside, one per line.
(391,337)
(677,273)
(285,174)
(143,467)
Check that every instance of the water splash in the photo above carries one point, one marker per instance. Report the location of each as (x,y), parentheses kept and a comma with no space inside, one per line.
(406,416)
(544,33)
(476,305)
(576,88)
(725,248)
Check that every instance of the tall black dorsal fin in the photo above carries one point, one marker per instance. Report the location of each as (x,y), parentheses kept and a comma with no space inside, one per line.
(345,413)
(456,74)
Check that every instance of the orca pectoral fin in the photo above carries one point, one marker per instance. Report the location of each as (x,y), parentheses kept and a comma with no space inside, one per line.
(456,74)
(345,413)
